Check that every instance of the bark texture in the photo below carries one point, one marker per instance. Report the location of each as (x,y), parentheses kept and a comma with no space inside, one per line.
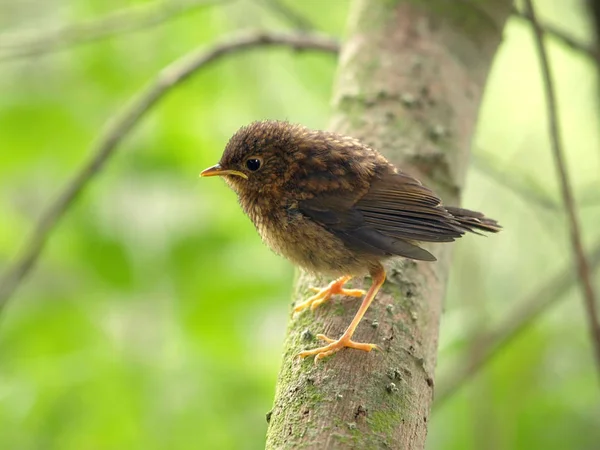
(410,81)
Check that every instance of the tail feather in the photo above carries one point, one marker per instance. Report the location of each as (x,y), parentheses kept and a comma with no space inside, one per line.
(472,220)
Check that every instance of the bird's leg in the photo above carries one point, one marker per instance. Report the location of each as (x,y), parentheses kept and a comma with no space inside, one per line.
(378,275)
(324,294)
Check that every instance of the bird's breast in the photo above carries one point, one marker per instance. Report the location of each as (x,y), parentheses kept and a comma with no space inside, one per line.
(298,238)
(271,219)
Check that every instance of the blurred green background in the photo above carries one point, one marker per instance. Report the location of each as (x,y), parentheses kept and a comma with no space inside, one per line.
(155,318)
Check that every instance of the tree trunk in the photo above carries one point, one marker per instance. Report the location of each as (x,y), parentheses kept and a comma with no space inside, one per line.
(410,81)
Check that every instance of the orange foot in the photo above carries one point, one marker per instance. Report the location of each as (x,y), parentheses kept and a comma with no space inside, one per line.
(335,346)
(324,294)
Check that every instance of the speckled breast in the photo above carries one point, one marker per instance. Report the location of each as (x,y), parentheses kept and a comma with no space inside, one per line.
(304,242)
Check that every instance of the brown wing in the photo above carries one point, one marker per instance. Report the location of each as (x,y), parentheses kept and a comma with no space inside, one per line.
(396,211)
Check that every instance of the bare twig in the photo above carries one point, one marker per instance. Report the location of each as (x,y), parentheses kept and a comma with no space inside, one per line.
(122,21)
(527,187)
(518,183)
(587,49)
(297,20)
(140,17)
(524,314)
(566,191)
(118,128)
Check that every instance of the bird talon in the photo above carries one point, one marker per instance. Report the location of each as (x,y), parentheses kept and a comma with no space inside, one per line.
(335,346)
(352,292)
(309,302)
(324,294)
(325,338)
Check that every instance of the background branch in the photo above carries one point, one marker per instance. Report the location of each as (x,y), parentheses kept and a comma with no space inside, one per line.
(527,310)
(521,184)
(140,17)
(581,47)
(566,191)
(527,187)
(116,23)
(296,19)
(119,126)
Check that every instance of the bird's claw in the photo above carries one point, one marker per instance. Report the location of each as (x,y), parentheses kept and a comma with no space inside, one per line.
(335,346)
(324,294)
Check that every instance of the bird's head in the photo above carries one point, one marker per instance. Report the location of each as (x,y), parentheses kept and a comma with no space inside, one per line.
(261,156)
(271,156)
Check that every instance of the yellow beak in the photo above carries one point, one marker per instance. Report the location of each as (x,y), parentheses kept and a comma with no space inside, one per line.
(218,171)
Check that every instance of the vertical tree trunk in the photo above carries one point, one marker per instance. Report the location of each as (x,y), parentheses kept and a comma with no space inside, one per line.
(410,81)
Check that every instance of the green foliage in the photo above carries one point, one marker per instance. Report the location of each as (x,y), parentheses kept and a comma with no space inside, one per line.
(155,318)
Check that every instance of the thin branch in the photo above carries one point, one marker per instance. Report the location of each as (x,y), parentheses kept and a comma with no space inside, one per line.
(528,309)
(297,20)
(566,191)
(518,183)
(112,24)
(527,187)
(140,17)
(524,314)
(120,126)
(581,47)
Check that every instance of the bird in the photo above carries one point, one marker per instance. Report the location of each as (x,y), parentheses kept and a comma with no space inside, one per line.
(335,207)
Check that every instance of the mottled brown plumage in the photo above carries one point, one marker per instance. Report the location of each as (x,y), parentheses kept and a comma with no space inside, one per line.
(335,206)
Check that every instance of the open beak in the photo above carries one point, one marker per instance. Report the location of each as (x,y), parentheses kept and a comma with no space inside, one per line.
(218,171)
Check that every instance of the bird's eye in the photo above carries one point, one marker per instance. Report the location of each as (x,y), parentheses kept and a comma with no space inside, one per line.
(253,164)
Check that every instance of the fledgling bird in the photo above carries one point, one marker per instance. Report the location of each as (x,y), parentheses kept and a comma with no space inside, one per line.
(336,207)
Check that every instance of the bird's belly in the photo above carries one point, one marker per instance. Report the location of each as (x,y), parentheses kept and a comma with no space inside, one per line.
(310,246)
